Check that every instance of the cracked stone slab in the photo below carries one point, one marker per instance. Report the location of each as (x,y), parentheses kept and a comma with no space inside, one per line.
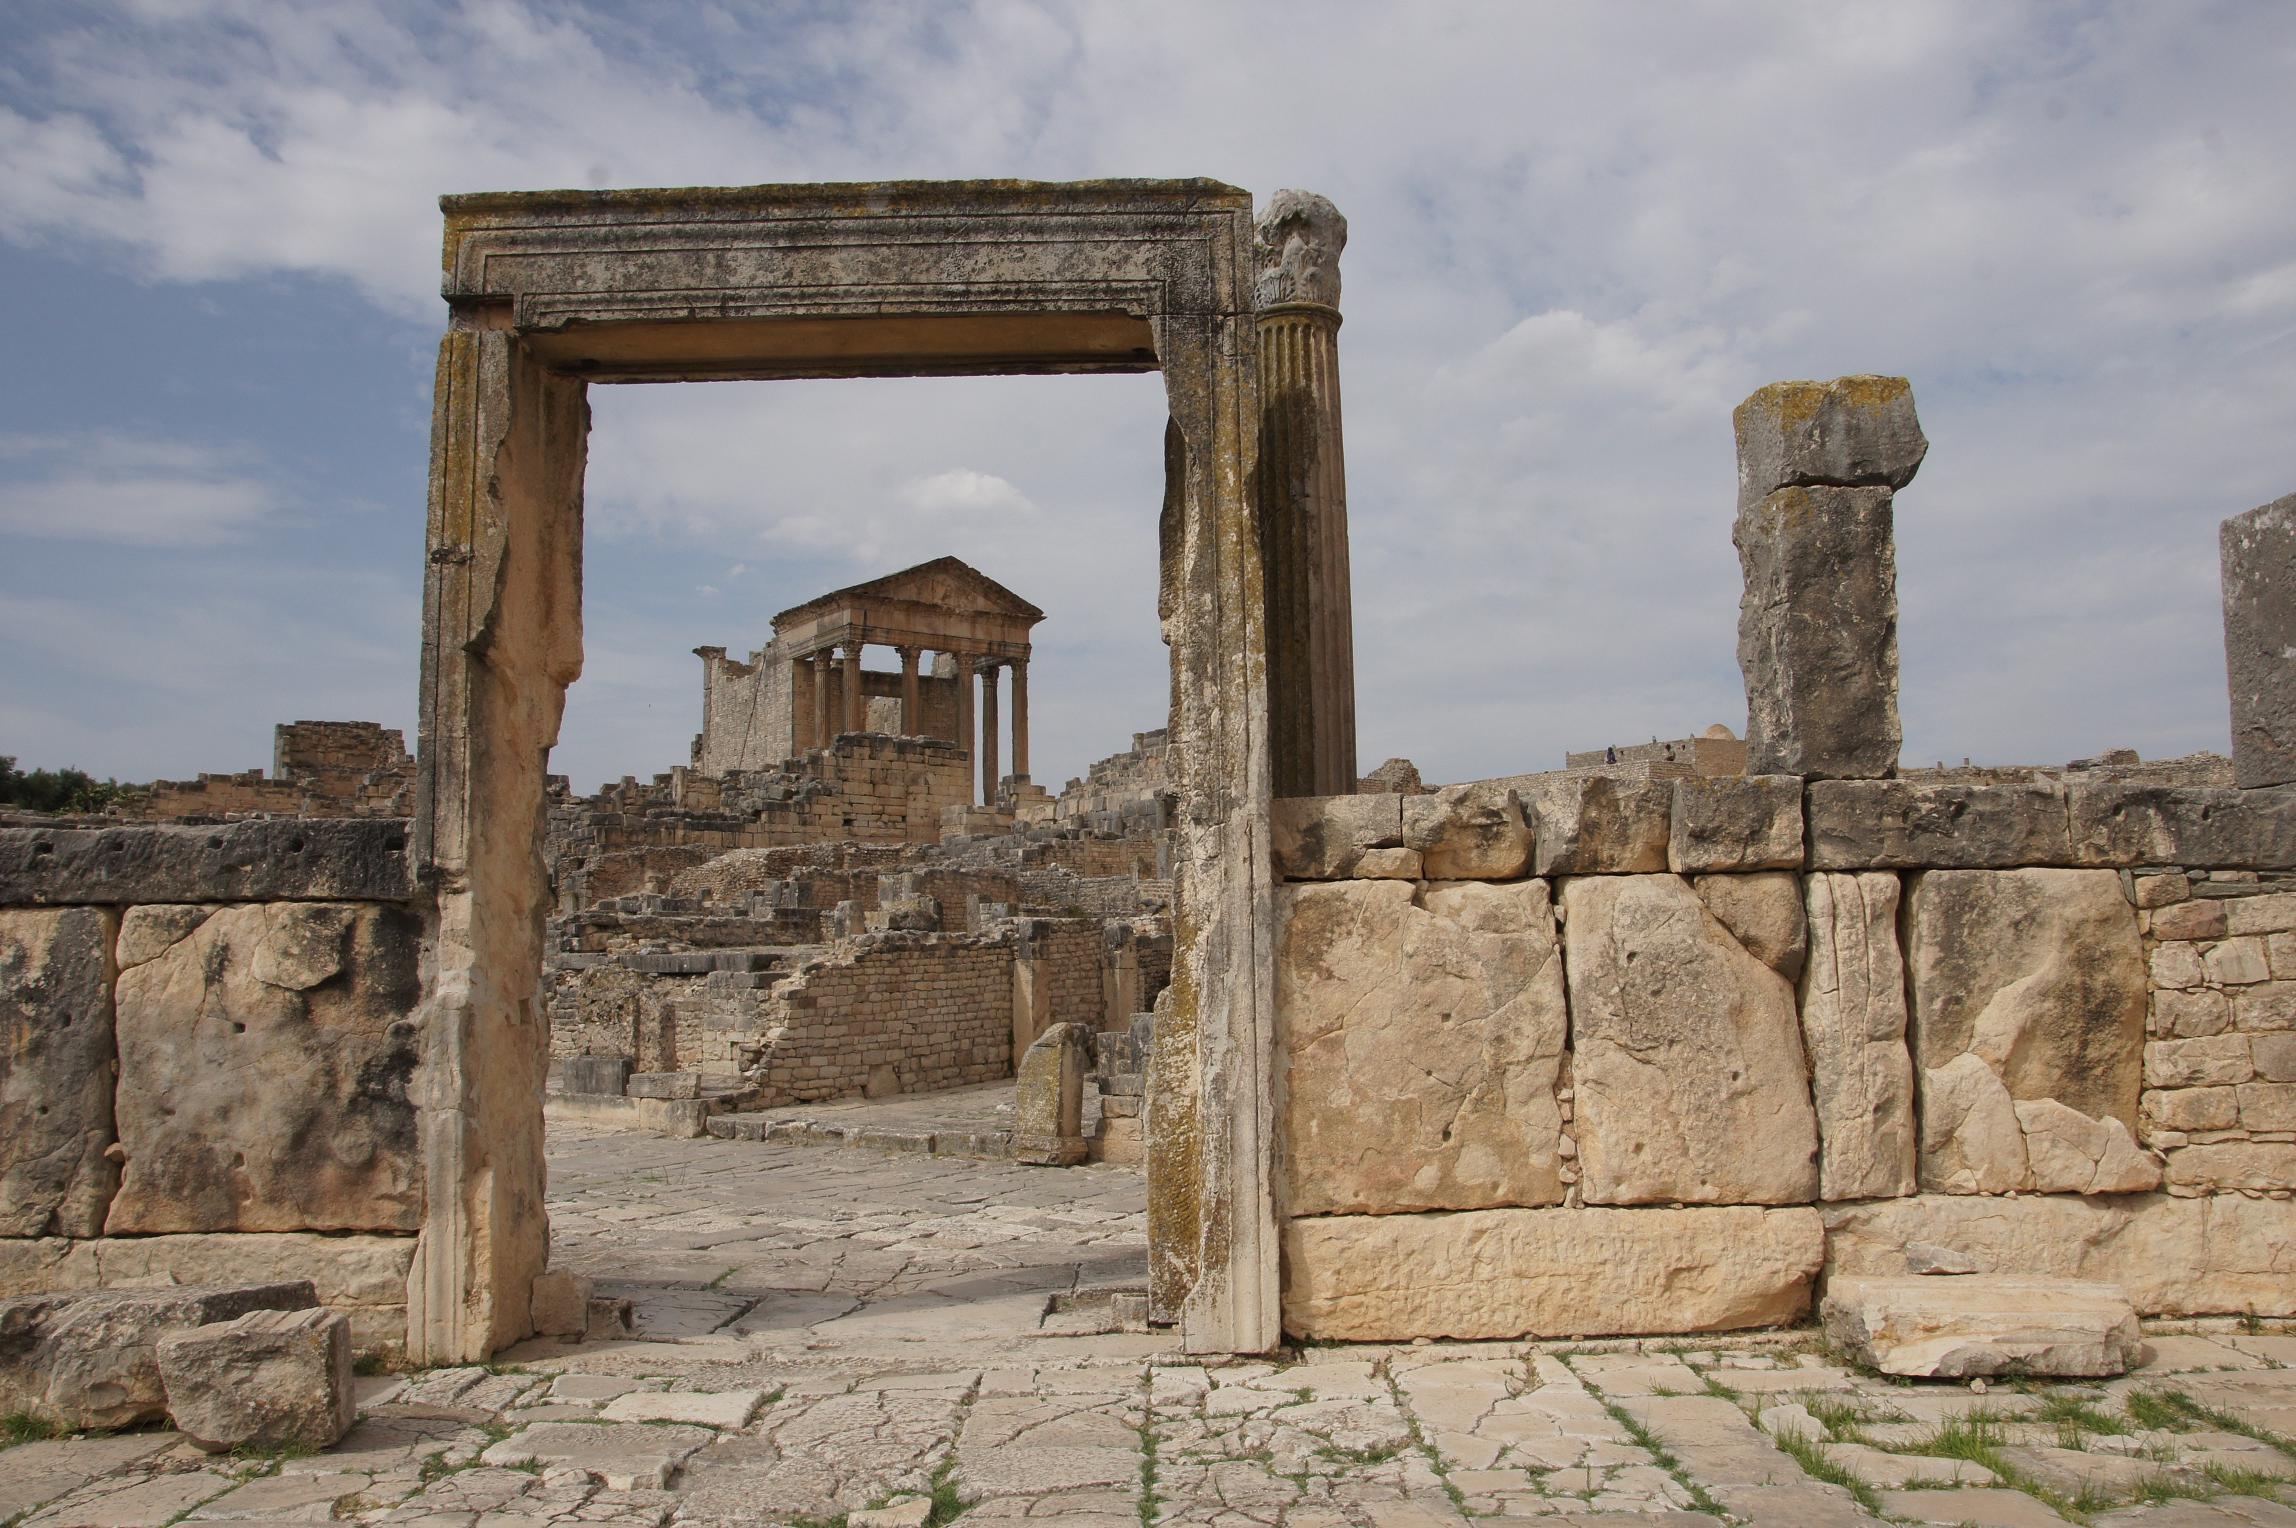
(622,1455)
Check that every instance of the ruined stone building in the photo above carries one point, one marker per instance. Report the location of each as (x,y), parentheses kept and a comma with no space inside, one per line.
(318,769)
(1560,1055)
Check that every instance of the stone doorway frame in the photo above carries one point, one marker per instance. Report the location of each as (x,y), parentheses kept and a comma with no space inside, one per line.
(549,291)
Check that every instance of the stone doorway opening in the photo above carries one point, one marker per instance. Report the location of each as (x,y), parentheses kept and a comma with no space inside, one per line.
(549,292)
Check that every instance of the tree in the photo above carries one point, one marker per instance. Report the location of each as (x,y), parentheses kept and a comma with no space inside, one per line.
(53,790)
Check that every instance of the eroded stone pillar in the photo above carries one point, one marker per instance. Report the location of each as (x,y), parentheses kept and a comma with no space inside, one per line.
(1020,719)
(911,722)
(856,709)
(964,737)
(1817,626)
(2258,552)
(989,733)
(502,620)
(1303,498)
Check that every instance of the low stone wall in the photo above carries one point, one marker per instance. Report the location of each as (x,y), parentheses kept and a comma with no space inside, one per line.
(1647,1058)
(887,1013)
(210,1045)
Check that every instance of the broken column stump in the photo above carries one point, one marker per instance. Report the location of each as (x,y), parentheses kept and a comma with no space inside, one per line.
(269,1379)
(2258,557)
(1048,1109)
(1817,627)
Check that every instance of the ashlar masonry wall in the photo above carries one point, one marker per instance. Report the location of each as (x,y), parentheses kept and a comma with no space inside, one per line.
(1665,1072)
(208,1057)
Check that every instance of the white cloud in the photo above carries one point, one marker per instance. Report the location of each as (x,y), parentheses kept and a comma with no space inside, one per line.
(134,492)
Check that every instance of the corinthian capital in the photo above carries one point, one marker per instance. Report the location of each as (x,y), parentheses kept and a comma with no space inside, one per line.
(1298,237)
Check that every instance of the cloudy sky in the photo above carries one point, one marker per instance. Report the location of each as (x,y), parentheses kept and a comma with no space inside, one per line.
(1579,235)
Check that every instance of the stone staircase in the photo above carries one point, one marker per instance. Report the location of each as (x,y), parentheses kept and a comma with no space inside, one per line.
(1119,1075)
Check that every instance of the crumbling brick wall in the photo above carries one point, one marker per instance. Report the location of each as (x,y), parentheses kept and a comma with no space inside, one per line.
(888,1013)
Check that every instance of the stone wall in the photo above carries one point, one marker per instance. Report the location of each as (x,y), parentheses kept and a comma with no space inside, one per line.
(211,1041)
(1129,792)
(320,769)
(753,713)
(883,1014)
(1659,1058)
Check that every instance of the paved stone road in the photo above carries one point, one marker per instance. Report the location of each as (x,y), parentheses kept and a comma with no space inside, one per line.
(831,1335)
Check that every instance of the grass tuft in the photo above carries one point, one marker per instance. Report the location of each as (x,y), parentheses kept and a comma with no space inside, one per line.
(23,1427)
(1818,1464)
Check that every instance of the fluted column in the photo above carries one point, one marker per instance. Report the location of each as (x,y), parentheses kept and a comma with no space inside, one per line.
(1020,718)
(1302,490)
(819,664)
(989,733)
(911,722)
(964,738)
(856,713)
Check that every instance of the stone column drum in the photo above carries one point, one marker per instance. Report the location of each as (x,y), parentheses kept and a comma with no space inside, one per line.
(965,739)
(1020,719)
(1302,485)
(1817,626)
(2258,551)
(911,725)
(989,733)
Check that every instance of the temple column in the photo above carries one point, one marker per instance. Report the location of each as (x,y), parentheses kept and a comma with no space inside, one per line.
(912,721)
(856,711)
(819,664)
(1302,487)
(989,733)
(964,738)
(1020,718)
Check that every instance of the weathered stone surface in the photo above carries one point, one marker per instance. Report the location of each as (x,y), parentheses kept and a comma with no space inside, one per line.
(598,1076)
(1687,1053)
(2068,1152)
(2039,972)
(1817,633)
(2257,554)
(1474,832)
(1423,1041)
(622,1456)
(561,1304)
(1321,838)
(1751,822)
(1763,912)
(270,1379)
(89,1359)
(2218,1255)
(1594,825)
(1497,1274)
(56,1055)
(1982,1324)
(1851,432)
(1853,1027)
(1971,1142)
(2218,1166)
(663,1085)
(1910,825)
(1296,241)
(265,1057)
(271,860)
(2120,825)
(1048,1097)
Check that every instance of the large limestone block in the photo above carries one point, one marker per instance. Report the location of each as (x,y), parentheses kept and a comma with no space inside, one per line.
(2220,1255)
(1976,1325)
(2068,1152)
(1856,431)
(1817,633)
(1048,1097)
(265,1057)
(1502,1274)
(1751,822)
(56,1071)
(1324,838)
(1763,912)
(289,859)
(271,1379)
(1911,825)
(1594,825)
(90,1359)
(1971,1139)
(1474,832)
(2120,825)
(1687,1053)
(2039,972)
(1853,1027)
(1422,1042)
(2257,552)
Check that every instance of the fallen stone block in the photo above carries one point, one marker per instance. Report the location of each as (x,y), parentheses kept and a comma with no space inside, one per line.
(1504,1274)
(1048,1098)
(664,1085)
(1322,838)
(269,1379)
(1475,832)
(1909,825)
(1751,822)
(1979,1325)
(90,1359)
(292,859)
(561,1304)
